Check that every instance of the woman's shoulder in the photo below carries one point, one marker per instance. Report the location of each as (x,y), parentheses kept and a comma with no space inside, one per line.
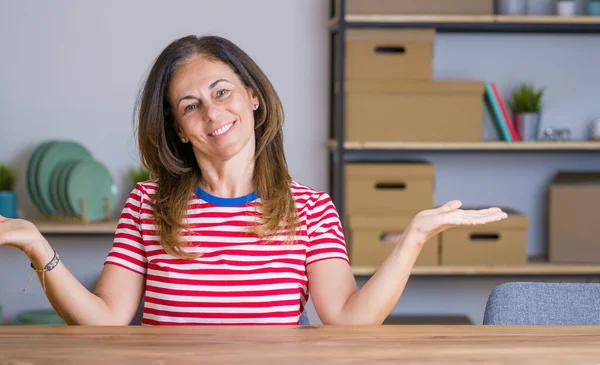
(308,196)
(302,189)
(145,188)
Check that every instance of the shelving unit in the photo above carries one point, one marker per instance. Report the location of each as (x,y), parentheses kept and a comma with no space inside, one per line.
(474,23)
(471,146)
(373,151)
(340,21)
(533,268)
(342,151)
(67,228)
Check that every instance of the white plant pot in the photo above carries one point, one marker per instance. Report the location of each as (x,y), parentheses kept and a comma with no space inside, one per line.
(565,8)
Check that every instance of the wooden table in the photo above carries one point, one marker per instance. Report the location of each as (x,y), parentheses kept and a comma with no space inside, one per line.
(299,345)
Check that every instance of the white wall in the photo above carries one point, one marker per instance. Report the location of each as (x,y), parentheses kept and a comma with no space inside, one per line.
(71,69)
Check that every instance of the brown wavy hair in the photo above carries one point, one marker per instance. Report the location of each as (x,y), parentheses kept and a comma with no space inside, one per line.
(174,163)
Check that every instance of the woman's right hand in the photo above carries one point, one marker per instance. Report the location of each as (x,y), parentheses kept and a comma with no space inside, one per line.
(21,234)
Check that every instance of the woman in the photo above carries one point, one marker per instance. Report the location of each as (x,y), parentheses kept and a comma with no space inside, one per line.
(224,235)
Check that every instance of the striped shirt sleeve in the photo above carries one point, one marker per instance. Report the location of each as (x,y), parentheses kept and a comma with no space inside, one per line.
(128,249)
(325,234)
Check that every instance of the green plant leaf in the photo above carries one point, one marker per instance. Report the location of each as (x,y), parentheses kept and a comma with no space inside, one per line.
(7,178)
(526,99)
(139,174)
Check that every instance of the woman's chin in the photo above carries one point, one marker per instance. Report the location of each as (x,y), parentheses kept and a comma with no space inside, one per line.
(229,148)
(228,151)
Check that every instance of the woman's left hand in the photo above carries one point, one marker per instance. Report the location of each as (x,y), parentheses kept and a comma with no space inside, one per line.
(430,222)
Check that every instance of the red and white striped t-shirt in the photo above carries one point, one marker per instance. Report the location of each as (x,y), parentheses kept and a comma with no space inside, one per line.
(238,279)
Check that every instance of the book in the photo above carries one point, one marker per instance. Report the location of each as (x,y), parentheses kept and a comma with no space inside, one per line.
(507,119)
(496,113)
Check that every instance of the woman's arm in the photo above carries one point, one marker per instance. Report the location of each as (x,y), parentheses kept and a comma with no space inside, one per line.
(114,302)
(337,298)
(117,295)
(332,285)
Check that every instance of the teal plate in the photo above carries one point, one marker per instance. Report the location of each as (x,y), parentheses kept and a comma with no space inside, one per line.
(90,180)
(62,187)
(31,175)
(50,160)
(56,186)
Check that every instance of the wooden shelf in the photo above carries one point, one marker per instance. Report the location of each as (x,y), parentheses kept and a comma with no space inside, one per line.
(550,19)
(473,146)
(534,268)
(477,23)
(503,19)
(63,227)
(391,18)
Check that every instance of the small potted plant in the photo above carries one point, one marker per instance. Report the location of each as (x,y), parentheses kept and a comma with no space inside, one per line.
(139,174)
(526,106)
(8,196)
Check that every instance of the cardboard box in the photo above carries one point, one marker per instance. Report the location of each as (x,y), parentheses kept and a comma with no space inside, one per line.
(498,243)
(574,198)
(403,188)
(389,54)
(437,111)
(421,7)
(373,238)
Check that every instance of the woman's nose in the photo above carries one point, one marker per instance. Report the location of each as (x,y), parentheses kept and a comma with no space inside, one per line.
(212,112)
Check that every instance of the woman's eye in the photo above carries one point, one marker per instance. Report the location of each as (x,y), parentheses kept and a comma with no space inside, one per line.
(221,93)
(190,107)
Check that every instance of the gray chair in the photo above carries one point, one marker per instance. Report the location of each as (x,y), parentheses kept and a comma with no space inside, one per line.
(529,303)
(137,318)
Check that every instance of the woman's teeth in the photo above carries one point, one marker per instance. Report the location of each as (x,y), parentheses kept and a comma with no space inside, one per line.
(222,130)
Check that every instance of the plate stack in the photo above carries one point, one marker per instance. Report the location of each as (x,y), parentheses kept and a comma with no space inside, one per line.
(40,317)
(63,180)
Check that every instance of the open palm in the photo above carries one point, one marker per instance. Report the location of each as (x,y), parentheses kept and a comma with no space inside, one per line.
(18,233)
(433,221)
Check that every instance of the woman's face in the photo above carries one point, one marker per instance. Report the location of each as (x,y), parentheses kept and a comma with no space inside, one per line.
(213,110)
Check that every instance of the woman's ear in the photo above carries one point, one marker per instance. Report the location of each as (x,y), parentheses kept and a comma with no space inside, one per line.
(182,137)
(254,99)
